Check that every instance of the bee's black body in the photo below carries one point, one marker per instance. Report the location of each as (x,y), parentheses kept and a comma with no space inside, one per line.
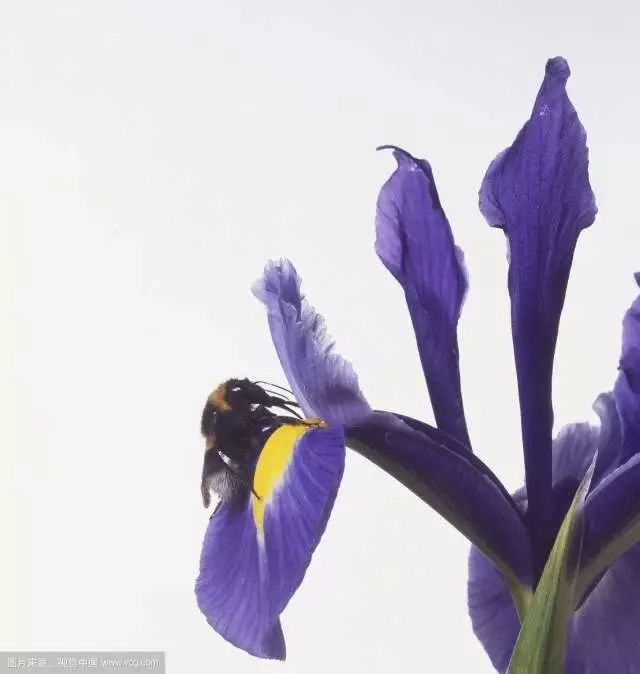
(235,423)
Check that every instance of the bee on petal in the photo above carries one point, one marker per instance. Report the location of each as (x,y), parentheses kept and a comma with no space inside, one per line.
(237,419)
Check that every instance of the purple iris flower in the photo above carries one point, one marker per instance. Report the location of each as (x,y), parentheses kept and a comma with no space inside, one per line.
(256,552)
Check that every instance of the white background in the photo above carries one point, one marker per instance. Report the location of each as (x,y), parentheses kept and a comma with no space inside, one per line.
(153,156)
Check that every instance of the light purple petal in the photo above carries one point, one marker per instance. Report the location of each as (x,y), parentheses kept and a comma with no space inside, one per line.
(247,577)
(415,243)
(538,192)
(324,384)
(627,389)
(493,616)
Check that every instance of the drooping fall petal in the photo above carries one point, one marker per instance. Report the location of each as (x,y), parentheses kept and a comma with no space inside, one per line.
(456,484)
(256,551)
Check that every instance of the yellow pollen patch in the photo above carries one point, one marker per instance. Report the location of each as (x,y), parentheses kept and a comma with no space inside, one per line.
(271,466)
(218,398)
(314,423)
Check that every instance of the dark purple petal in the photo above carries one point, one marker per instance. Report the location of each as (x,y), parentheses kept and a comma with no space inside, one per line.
(603,633)
(627,387)
(437,435)
(250,568)
(415,243)
(538,192)
(575,445)
(324,384)
(456,484)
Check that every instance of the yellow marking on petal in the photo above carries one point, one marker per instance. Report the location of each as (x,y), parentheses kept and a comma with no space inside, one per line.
(218,398)
(272,465)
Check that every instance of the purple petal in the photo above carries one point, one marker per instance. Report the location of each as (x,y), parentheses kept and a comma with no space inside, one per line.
(604,634)
(538,192)
(437,435)
(455,483)
(250,568)
(612,521)
(415,243)
(493,616)
(604,631)
(575,445)
(627,389)
(324,384)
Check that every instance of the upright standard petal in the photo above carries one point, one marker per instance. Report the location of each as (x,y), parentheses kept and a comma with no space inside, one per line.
(456,484)
(538,192)
(256,551)
(627,389)
(324,384)
(415,243)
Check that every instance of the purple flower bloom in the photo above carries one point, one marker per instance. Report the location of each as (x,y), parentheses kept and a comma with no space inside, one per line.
(251,565)
(538,192)
(256,550)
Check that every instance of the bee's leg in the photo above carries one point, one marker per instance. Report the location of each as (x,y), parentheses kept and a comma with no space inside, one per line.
(215,510)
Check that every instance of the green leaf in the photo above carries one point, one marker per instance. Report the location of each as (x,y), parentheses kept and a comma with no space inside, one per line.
(542,642)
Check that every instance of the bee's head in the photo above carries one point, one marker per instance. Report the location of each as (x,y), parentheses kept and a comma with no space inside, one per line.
(236,395)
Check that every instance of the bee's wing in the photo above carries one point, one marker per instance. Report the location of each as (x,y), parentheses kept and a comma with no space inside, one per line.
(220,477)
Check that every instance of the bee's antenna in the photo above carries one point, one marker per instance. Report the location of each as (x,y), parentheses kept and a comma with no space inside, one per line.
(268,383)
(294,412)
(283,403)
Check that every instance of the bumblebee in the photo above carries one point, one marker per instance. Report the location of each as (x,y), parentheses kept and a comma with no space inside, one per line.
(236,421)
